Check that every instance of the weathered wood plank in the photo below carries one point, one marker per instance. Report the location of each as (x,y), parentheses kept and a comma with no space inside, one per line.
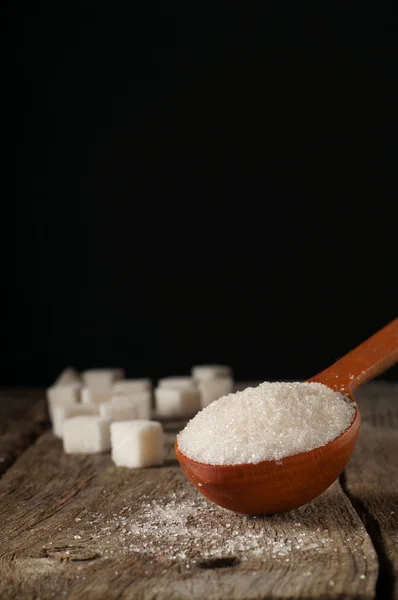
(78,527)
(371,477)
(23,418)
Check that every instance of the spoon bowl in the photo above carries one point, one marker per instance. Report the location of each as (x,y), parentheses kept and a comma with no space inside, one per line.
(270,487)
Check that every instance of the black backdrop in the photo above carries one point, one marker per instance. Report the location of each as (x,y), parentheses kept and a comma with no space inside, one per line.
(198,185)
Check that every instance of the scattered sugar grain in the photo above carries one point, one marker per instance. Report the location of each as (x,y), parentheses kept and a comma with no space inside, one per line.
(268,422)
(176,527)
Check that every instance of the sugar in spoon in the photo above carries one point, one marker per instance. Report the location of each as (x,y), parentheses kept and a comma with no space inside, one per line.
(271,486)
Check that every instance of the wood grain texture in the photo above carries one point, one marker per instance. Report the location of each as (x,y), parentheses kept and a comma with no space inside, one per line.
(371,477)
(78,527)
(23,418)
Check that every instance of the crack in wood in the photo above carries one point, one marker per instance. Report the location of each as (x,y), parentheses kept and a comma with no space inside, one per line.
(219,563)
(386,579)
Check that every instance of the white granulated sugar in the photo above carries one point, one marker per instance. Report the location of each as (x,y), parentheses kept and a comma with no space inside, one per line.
(180,528)
(183,528)
(268,422)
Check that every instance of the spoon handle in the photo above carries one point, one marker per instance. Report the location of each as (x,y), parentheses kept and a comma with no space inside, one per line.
(368,360)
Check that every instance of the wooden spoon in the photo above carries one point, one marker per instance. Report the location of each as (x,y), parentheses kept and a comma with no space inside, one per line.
(272,487)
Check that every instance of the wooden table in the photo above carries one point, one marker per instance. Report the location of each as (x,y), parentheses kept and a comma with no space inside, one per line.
(79,527)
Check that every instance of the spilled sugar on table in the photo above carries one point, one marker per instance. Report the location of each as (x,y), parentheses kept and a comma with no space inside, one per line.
(79,527)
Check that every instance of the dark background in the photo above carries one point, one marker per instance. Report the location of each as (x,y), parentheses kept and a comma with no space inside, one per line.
(198,184)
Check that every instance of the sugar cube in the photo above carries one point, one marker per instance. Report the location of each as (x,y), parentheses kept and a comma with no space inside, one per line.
(101,379)
(213,389)
(132,385)
(140,400)
(137,443)
(86,435)
(61,413)
(68,375)
(90,396)
(177,403)
(62,395)
(177,383)
(205,372)
(118,411)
